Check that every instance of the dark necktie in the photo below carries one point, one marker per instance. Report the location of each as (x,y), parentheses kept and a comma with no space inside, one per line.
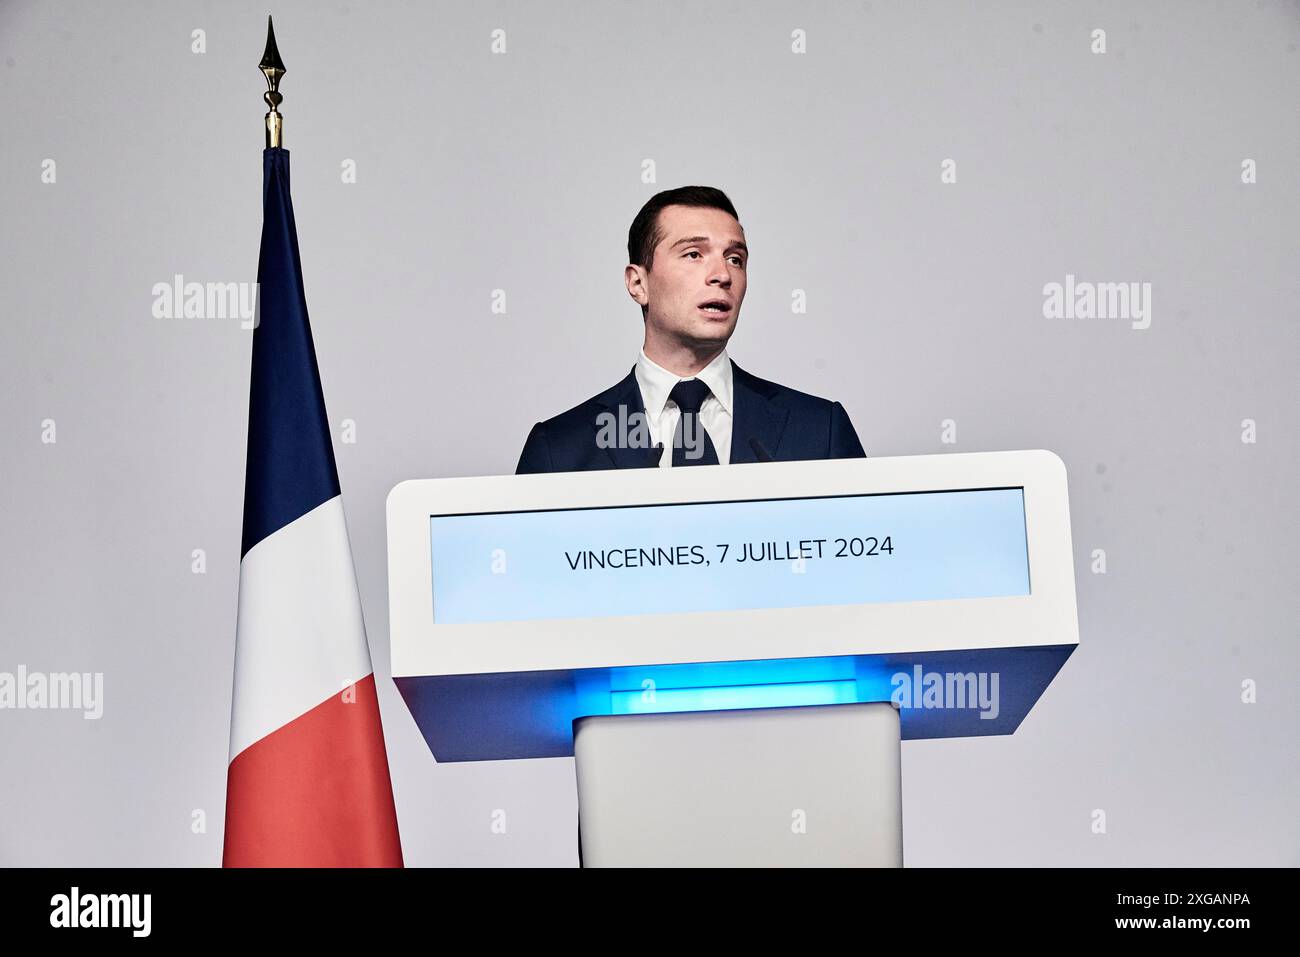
(689,394)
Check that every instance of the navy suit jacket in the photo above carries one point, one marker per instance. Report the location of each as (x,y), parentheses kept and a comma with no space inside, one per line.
(769,423)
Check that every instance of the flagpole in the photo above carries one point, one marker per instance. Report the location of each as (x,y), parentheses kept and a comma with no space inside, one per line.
(273,68)
(307,784)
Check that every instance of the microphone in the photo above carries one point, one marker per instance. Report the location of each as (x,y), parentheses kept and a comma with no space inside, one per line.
(762,453)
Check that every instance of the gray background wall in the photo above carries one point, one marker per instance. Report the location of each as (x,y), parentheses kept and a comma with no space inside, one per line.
(522,172)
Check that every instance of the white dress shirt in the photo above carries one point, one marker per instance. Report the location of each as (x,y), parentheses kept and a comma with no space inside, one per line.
(662,413)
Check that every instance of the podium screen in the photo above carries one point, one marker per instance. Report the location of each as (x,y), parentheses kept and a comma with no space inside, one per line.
(727,556)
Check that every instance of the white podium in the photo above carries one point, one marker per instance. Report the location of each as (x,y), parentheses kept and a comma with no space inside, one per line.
(740,648)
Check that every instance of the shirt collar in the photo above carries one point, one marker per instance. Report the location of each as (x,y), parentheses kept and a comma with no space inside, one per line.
(656,382)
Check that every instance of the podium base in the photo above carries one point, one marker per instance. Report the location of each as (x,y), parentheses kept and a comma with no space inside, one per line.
(816,786)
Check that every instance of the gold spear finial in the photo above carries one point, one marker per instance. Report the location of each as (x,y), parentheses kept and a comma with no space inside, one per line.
(273,68)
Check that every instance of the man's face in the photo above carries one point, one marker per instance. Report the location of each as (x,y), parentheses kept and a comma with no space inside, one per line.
(700,259)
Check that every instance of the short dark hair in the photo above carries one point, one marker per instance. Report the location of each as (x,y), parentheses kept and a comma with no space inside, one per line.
(645,234)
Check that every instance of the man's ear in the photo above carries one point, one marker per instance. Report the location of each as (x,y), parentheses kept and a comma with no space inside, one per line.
(634,277)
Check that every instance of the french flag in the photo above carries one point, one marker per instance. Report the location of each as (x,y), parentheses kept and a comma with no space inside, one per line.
(308,782)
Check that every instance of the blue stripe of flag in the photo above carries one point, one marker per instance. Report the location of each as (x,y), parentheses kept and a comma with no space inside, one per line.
(291,467)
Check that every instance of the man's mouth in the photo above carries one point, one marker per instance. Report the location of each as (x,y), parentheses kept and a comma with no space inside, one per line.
(715,307)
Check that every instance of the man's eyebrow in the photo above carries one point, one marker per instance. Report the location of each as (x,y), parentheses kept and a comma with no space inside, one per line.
(705,239)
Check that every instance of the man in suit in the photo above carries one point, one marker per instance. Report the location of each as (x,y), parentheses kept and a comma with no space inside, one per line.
(685,402)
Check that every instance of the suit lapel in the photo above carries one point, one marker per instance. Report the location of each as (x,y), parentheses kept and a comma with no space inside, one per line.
(753,418)
(622,401)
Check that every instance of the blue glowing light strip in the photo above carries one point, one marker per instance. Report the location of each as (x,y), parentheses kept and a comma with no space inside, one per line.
(719,673)
(793,694)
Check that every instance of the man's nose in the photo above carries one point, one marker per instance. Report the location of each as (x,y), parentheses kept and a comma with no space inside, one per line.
(721,275)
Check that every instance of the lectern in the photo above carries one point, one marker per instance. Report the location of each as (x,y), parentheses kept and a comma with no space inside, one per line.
(734,652)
